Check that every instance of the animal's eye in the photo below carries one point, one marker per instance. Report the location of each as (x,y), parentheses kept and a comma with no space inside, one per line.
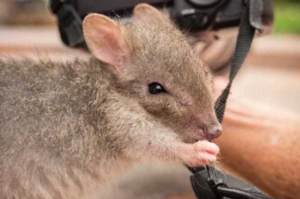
(156,88)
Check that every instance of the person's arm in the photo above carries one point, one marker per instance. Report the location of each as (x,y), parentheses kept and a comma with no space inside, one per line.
(263,146)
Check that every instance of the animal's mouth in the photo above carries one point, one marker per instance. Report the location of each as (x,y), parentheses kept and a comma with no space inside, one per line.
(193,141)
(196,136)
(203,134)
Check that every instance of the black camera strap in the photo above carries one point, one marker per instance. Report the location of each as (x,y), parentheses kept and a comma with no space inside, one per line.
(69,23)
(243,45)
(205,181)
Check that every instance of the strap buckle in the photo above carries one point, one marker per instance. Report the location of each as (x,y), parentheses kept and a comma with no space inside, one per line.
(205,183)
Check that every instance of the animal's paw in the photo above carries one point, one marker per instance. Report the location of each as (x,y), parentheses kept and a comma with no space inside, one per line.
(202,153)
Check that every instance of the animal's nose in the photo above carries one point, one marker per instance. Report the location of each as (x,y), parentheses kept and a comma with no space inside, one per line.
(213,131)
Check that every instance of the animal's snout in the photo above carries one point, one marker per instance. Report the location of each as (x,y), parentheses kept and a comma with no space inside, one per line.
(213,131)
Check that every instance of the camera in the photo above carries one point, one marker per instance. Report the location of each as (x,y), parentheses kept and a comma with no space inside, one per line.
(190,15)
(198,15)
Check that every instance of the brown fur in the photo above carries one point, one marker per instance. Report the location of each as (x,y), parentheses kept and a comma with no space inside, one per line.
(65,128)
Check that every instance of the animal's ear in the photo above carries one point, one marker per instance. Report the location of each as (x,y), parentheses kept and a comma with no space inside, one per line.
(144,10)
(106,40)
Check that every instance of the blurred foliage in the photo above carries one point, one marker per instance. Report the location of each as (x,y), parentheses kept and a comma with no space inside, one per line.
(287,1)
(287,16)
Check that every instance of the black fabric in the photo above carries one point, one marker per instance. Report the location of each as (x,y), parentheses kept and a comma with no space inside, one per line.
(243,45)
(69,23)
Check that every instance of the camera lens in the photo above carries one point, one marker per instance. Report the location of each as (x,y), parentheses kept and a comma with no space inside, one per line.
(203,3)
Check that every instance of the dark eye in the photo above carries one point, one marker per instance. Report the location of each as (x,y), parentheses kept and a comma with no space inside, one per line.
(156,88)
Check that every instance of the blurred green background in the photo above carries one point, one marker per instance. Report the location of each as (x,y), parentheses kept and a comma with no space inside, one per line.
(287,16)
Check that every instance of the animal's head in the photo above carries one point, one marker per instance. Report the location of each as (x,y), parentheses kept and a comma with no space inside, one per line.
(156,66)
